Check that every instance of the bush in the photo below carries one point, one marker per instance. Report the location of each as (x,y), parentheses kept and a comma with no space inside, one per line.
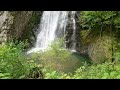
(59,59)
(99,71)
(13,62)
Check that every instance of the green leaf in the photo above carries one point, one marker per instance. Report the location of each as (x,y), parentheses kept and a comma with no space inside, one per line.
(7,74)
(106,74)
(5,78)
(1,75)
(118,77)
(21,77)
(104,77)
(112,74)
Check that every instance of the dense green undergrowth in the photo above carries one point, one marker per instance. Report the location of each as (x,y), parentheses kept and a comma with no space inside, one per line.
(59,59)
(100,71)
(14,64)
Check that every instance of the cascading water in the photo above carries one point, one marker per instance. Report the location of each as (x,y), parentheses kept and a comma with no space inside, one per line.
(53,25)
(73,48)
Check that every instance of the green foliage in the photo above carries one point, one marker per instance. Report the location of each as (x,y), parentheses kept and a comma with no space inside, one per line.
(93,19)
(59,59)
(117,56)
(13,62)
(57,50)
(50,74)
(99,71)
(96,25)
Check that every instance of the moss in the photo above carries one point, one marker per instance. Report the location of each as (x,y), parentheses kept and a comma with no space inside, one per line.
(101,46)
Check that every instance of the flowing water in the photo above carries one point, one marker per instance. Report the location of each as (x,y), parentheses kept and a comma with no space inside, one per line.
(52,26)
(73,48)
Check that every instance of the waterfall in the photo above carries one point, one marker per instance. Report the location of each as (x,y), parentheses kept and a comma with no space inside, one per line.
(52,26)
(73,48)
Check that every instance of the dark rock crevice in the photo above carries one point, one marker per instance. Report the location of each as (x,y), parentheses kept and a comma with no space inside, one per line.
(69,32)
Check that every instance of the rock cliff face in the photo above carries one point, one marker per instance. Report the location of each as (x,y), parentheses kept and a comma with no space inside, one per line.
(19,25)
(99,48)
(24,26)
(69,32)
(6,20)
(78,32)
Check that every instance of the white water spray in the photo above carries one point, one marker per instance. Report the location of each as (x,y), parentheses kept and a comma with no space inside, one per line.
(52,26)
(73,48)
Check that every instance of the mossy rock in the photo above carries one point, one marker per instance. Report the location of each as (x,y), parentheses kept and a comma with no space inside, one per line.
(100,50)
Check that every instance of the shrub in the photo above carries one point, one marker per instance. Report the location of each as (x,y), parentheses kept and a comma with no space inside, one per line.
(13,62)
(59,59)
(99,71)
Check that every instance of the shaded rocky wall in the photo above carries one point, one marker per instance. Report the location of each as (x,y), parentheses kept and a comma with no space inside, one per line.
(100,50)
(99,47)
(78,32)
(69,32)
(24,26)
(19,25)
(6,20)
